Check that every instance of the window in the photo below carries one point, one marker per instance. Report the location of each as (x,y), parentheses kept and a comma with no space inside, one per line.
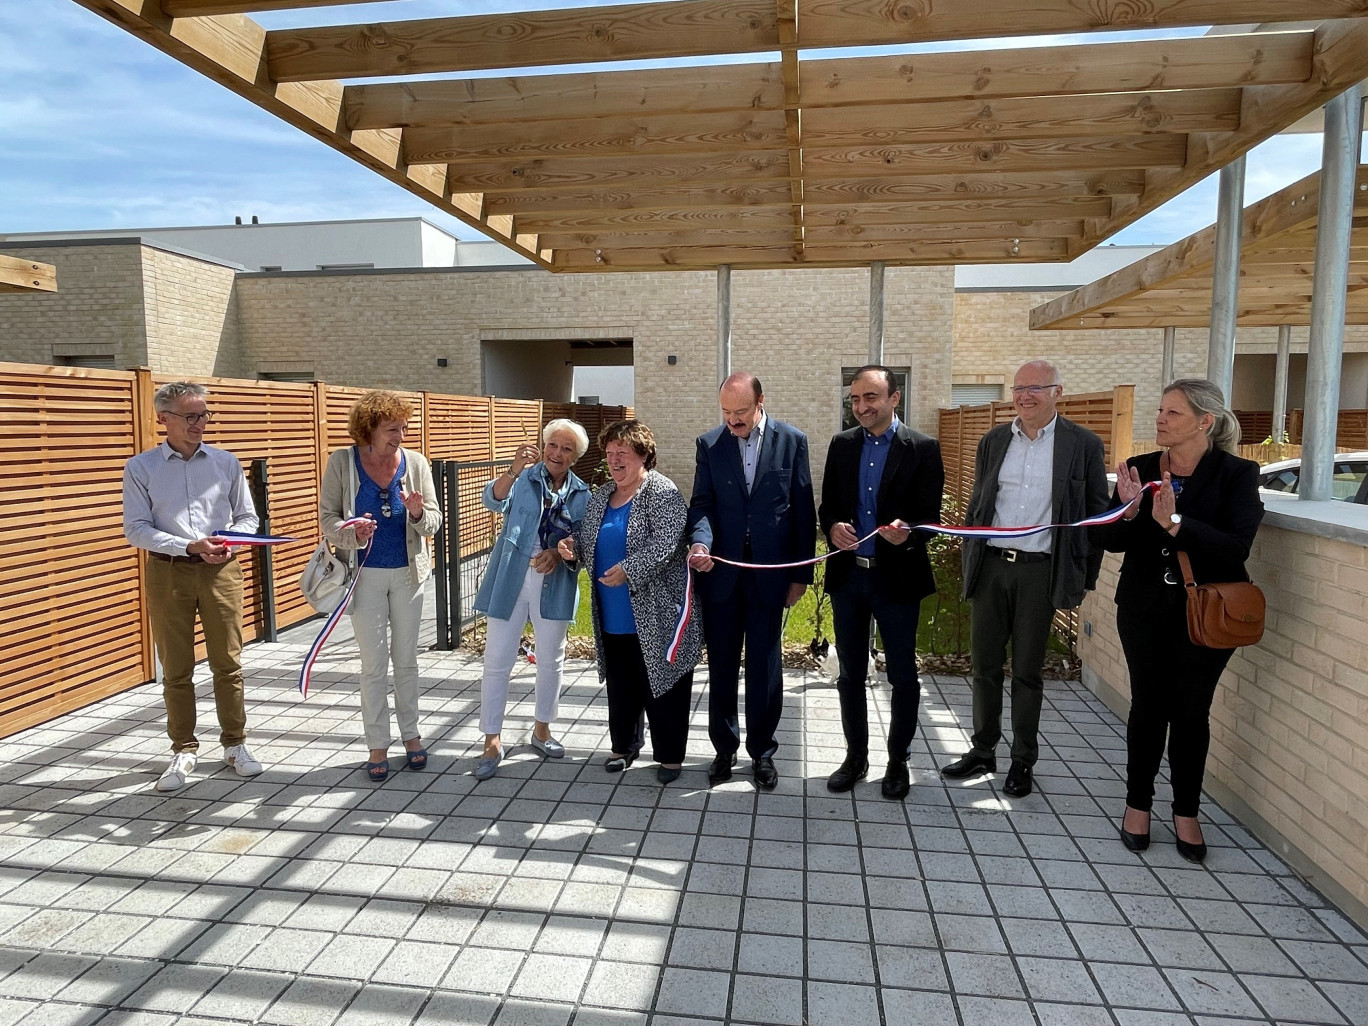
(848,375)
(293,375)
(85,360)
(345,267)
(974,395)
(270,267)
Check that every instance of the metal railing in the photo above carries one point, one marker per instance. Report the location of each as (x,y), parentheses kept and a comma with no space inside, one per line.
(461,549)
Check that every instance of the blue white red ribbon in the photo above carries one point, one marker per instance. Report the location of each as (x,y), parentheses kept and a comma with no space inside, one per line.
(684,615)
(334,618)
(1111,516)
(232,538)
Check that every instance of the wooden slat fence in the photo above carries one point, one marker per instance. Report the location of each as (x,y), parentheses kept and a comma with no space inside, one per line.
(71,594)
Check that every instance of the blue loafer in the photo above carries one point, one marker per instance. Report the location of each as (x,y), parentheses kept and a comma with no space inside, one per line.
(488,766)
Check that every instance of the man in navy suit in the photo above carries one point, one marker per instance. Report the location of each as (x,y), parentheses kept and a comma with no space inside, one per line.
(752,502)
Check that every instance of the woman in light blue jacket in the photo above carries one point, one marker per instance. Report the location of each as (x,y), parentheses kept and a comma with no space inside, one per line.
(541,503)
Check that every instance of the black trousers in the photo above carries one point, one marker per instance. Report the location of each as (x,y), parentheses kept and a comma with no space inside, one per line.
(742,619)
(1173,683)
(629,694)
(1010,603)
(851,610)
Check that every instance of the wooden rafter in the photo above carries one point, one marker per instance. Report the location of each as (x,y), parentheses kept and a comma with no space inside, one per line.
(1020,153)
(20,275)
(1277,269)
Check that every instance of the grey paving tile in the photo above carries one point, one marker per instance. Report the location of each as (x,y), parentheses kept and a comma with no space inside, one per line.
(840,1004)
(379,1005)
(694,992)
(1290,1000)
(461,1009)
(842,961)
(917,1006)
(1211,993)
(770,955)
(622,985)
(920,968)
(703,949)
(484,970)
(552,977)
(1051,979)
(764,999)
(242,994)
(984,975)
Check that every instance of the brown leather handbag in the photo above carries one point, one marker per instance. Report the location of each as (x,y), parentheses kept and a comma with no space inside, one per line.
(1228,615)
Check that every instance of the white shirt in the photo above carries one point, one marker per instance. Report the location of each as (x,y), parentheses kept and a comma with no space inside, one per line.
(750,449)
(1026,487)
(169,501)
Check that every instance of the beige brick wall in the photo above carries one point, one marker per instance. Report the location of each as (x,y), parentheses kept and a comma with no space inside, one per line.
(97,307)
(1289,727)
(191,315)
(794,329)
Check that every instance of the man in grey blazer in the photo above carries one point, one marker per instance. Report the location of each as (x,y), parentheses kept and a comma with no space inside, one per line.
(1040,468)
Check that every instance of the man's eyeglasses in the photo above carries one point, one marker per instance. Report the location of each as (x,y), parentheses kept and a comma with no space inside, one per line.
(191,418)
(1031,390)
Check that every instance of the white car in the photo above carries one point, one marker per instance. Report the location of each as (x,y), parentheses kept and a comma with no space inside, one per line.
(1351,473)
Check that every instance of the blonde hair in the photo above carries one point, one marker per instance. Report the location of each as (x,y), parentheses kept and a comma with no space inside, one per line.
(371,409)
(1205,397)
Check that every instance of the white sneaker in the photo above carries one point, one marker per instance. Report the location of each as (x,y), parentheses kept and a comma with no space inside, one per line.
(176,774)
(241,760)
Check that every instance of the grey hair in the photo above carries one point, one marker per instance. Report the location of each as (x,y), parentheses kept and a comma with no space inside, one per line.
(561,424)
(1205,397)
(168,395)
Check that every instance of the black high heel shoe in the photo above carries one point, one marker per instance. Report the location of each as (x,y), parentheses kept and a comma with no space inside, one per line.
(1192,852)
(1133,842)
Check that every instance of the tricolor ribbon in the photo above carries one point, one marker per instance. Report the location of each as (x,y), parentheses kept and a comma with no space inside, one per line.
(1111,516)
(233,538)
(334,618)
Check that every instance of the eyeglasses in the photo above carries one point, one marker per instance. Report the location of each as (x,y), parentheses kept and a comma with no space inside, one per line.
(191,418)
(1032,390)
(384,504)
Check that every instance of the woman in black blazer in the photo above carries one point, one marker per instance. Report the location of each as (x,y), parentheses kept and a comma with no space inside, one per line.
(1208,507)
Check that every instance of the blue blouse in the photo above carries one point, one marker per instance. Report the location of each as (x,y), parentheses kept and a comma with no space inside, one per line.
(389,545)
(615,604)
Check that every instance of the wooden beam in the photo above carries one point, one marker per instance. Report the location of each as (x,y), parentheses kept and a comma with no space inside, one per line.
(20,275)
(703,27)
(1205,62)
(728,132)
(1341,59)
(572,173)
(1106,114)
(691,258)
(231,50)
(650,221)
(727,238)
(786,12)
(197,8)
(997,230)
(998,155)
(962,212)
(522,39)
(593,202)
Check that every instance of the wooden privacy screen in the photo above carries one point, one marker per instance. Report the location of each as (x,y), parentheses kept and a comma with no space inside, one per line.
(71,594)
(1109,414)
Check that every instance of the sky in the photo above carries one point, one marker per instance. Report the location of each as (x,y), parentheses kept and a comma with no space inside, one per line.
(100,130)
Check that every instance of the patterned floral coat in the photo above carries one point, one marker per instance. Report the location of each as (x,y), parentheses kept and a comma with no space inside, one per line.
(656,575)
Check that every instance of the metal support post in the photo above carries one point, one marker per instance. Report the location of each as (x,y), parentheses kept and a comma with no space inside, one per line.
(1166,367)
(1339,164)
(265,558)
(723,322)
(1225,276)
(1280,384)
(876,312)
(439,559)
(453,518)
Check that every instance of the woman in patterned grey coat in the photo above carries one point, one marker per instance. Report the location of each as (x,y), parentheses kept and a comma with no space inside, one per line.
(631,540)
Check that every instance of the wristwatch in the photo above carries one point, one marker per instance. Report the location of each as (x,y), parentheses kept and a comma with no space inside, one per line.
(1176,519)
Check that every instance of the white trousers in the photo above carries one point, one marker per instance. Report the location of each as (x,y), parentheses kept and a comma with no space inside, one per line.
(501,653)
(386,611)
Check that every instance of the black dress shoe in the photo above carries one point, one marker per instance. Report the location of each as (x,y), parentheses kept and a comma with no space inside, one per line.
(970,764)
(668,774)
(1192,852)
(1018,782)
(897,782)
(766,775)
(1133,842)
(851,770)
(719,770)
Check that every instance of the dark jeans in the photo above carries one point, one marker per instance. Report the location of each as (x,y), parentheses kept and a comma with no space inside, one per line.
(1011,602)
(1172,684)
(629,693)
(727,625)
(851,610)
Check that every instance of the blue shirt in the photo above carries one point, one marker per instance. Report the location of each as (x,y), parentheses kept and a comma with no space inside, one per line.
(389,545)
(615,604)
(873,458)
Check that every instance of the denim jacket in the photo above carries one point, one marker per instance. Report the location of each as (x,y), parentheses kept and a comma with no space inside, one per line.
(508,563)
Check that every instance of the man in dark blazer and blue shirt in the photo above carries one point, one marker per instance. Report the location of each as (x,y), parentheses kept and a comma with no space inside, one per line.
(1039,469)
(877,473)
(752,502)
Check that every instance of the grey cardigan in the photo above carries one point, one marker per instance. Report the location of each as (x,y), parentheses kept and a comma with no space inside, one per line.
(657,575)
(333,505)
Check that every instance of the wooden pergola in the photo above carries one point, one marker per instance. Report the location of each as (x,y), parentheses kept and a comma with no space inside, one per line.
(1172,288)
(972,156)
(20,275)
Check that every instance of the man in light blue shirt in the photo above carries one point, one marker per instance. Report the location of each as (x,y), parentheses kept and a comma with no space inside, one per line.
(176,498)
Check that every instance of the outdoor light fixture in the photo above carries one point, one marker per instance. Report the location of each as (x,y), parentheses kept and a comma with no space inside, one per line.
(672,359)
(441,361)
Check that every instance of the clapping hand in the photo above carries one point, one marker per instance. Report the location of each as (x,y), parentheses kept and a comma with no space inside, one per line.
(1128,485)
(1165,504)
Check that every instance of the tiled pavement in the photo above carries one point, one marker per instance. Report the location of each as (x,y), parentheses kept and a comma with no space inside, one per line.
(558,894)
